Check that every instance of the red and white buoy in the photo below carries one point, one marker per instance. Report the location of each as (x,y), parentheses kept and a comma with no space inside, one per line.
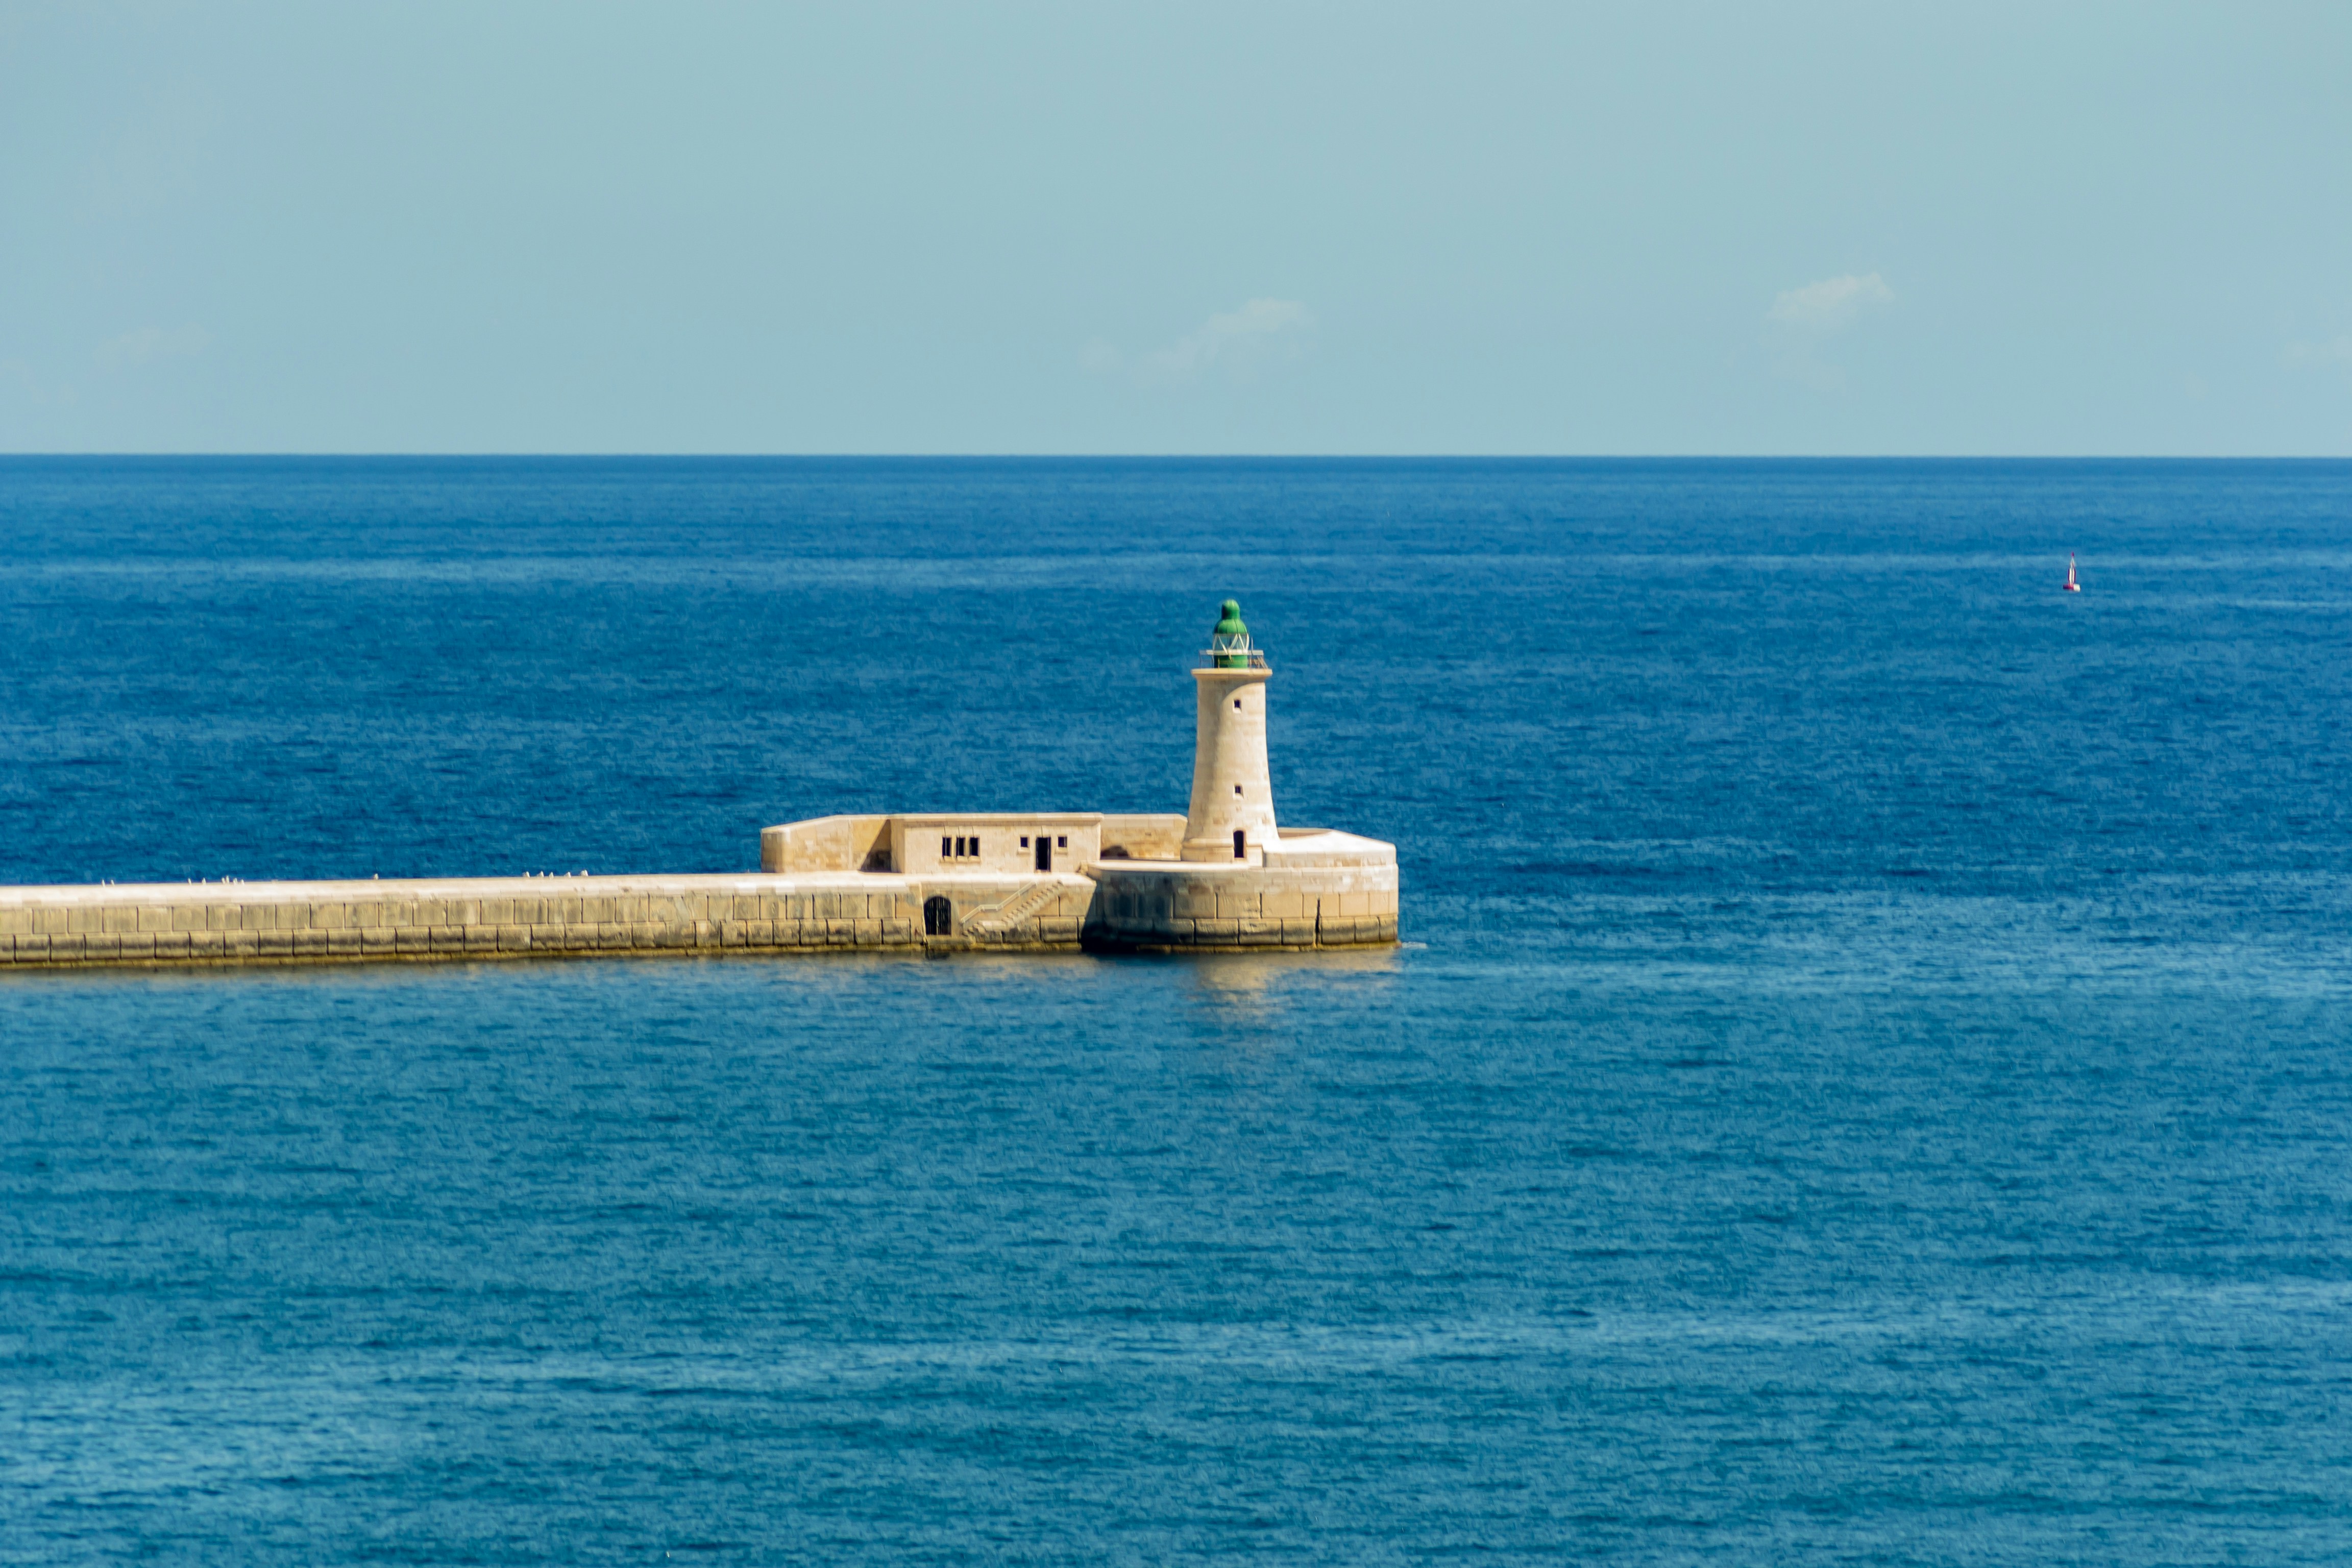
(2072,586)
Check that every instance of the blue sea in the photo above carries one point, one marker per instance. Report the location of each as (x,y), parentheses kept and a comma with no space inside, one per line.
(1868,1078)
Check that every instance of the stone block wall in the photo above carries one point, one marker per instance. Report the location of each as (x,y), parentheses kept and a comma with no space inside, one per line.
(827,844)
(1149,905)
(1149,908)
(1144,835)
(513,918)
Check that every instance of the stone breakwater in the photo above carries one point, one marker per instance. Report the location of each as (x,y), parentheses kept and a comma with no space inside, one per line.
(555,916)
(482,918)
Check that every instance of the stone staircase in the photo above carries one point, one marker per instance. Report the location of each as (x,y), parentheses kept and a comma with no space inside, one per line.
(1014,913)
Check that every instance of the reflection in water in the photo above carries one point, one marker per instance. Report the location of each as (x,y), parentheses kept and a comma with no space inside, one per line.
(1260,976)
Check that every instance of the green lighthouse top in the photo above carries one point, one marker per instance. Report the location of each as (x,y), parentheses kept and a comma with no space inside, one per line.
(1229,645)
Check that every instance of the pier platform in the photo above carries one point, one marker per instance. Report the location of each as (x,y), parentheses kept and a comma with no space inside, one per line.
(527,917)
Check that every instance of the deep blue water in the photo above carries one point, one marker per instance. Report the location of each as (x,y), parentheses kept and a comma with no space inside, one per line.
(1870,1080)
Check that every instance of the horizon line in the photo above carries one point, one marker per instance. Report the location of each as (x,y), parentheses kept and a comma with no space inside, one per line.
(1198,457)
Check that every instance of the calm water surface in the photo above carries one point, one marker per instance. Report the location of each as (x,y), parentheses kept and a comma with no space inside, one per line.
(1870,1080)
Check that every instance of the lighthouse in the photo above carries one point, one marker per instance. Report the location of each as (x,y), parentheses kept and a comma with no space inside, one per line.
(1232,815)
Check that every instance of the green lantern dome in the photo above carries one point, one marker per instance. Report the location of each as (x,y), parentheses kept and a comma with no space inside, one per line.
(1229,645)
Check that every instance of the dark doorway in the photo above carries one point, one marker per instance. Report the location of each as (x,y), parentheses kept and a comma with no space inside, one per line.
(1044,851)
(939,917)
(1240,846)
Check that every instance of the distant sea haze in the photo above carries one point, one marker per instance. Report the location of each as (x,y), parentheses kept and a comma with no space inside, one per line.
(1865,1080)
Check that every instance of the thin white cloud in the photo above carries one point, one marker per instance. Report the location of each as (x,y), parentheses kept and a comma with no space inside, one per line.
(1235,339)
(151,342)
(1236,343)
(1831,303)
(1802,320)
(2335,351)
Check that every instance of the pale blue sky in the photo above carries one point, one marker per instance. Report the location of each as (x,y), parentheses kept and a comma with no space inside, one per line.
(1715,228)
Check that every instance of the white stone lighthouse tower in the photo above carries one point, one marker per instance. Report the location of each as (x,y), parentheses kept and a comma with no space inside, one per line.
(1231,816)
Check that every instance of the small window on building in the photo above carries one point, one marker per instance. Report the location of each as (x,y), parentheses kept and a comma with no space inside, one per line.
(1025,841)
(945,853)
(1237,789)
(975,846)
(1241,845)
(1063,842)
(1237,703)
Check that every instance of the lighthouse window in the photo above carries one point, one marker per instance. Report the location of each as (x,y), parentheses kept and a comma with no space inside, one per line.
(1063,842)
(1237,789)
(1237,703)
(1024,843)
